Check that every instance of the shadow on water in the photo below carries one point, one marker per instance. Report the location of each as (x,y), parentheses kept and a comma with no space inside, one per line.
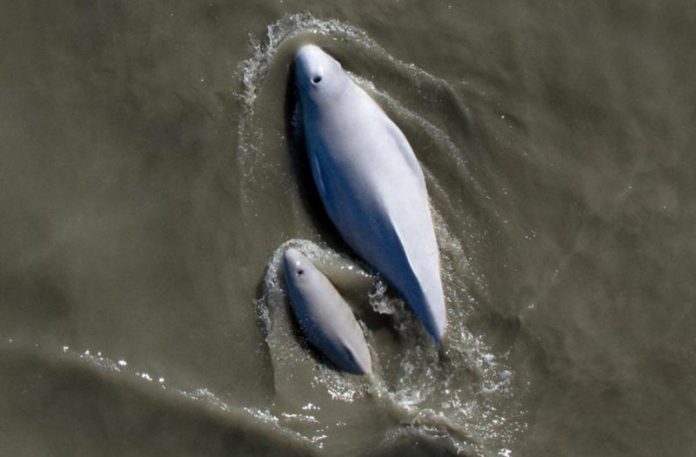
(301,168)
(297,148)
(415,444)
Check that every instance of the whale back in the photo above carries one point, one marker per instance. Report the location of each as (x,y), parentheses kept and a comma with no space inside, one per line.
(324,317)
(371,184)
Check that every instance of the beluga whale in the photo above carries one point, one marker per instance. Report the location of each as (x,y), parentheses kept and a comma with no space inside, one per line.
(371,183)
(324,317)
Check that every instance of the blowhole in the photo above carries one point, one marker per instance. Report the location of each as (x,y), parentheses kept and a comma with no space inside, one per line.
(300,272)
(316,79)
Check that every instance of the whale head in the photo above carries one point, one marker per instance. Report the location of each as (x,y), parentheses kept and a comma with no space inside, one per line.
(318,76)
(295,263)
(299,269)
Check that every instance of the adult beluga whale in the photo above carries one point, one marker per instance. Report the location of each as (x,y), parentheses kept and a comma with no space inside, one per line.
(371,183)
(324,317)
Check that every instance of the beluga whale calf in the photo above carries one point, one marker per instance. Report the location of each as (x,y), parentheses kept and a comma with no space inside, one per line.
(325,319)
(371,183)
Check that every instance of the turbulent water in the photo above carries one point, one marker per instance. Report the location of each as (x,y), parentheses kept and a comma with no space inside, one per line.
(152,170)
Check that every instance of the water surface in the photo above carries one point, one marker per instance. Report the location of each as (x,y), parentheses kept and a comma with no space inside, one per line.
(150,173)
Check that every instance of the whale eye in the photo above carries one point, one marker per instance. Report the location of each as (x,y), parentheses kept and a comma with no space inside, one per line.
(316,79)
(300,272)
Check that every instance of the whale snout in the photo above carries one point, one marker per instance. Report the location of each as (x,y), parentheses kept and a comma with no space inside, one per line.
(309,54)
(310,65)
(292,254)
(316,72)
(293,259)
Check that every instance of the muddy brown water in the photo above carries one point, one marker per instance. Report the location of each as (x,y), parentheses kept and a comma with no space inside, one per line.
(150,175)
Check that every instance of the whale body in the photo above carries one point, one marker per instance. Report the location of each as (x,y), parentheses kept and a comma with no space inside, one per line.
(324,317)
(371,183)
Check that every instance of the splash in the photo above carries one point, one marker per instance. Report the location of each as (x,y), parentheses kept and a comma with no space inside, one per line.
(437,397)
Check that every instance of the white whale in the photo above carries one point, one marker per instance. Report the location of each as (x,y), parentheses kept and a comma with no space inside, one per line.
(324,317)
(371,183)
